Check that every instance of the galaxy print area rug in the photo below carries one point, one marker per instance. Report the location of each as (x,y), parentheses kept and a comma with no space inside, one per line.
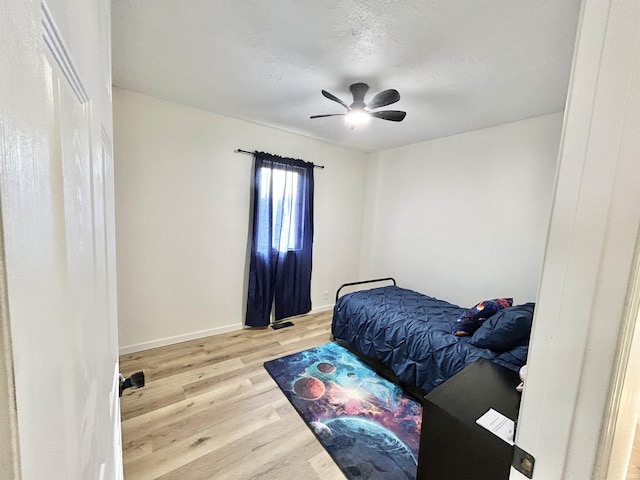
(366,423)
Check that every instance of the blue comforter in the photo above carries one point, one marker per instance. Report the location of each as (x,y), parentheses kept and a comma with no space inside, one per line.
(411,334)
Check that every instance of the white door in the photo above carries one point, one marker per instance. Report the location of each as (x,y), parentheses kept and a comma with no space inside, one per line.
(586,303)
(56,198)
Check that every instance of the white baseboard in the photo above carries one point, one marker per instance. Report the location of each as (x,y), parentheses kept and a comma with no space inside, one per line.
(163,342)
(323,308)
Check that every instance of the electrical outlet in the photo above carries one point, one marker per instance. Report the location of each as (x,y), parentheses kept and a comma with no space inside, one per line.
(325,296)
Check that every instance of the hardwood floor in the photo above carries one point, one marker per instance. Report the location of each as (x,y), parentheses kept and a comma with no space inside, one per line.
(634,463)
(210,410)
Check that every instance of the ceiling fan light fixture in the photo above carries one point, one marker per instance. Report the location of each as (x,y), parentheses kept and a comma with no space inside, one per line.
(360,112)
(357,117)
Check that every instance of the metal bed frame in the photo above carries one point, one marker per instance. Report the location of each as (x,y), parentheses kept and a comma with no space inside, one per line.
(363,282)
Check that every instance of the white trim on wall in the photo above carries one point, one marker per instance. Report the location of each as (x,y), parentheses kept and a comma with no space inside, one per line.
(163,342)
(323,308)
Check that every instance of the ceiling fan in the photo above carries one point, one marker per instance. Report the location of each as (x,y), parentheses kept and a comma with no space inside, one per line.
(360,112)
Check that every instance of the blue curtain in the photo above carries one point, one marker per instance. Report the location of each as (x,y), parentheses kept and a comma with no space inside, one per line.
(282,239)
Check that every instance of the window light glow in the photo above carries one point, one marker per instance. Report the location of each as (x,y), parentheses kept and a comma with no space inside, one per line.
(285,235)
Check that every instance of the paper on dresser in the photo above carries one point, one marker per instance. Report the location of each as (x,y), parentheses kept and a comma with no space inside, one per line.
(498,424)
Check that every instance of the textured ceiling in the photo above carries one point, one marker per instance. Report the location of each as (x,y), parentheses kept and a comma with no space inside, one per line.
(458,65)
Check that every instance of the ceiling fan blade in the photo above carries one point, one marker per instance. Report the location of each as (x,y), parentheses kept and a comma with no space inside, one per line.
(393,115)
(328,115)
(330,96)
(358,90)
(384,98)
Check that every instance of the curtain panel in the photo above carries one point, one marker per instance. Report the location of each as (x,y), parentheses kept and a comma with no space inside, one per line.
(282,239)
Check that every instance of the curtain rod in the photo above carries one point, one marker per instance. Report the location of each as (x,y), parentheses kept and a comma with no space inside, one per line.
(239,150)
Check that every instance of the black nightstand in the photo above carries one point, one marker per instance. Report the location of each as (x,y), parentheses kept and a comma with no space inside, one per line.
(452,445)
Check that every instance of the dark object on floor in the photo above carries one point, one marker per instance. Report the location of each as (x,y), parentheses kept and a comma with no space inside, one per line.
(134,381)
(279,325)
(368,425)
(452,445)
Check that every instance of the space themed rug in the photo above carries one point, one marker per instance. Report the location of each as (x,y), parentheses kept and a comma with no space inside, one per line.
(366,423)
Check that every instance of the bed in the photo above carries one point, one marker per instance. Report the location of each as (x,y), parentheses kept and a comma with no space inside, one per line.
(414,335)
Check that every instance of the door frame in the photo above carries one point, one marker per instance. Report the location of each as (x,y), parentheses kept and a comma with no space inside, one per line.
(9,453)
(585,309)
(623,410)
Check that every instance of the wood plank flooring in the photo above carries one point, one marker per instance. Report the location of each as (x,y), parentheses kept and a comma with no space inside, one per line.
(634,464)
(210,410)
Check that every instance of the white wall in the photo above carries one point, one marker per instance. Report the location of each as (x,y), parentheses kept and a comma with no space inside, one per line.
(464,218)
(182,203)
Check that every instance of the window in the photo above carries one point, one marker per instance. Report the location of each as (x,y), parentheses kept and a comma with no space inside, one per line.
(282,185)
